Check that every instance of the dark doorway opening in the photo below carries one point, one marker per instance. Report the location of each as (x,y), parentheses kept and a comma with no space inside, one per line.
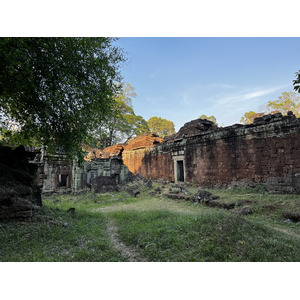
(180,170)
(62,179)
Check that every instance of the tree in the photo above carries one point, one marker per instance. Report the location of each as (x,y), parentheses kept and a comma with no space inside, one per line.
(248,117)
(160,126)
(122,124)
(56,89)
(211,118)
(288,101)
(296,82)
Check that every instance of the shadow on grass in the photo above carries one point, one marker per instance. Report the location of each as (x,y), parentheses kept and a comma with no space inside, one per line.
(219,236)
(56,235)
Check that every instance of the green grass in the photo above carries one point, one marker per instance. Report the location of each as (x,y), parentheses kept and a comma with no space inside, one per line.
(83,239)
(160,229)
(216,236)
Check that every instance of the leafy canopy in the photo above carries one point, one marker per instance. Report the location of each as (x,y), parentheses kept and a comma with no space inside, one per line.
(248,117)
(56,89)
(296,82)
(288,101)
(122,124)
(160,126)
(211,118)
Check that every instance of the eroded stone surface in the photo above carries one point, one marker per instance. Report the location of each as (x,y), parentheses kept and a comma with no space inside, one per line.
(265,152)
(19,194)
(103,184)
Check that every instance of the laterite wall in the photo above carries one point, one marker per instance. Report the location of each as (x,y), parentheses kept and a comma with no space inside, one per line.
(267,151)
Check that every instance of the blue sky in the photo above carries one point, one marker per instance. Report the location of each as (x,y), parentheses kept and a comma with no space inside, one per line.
(180,79)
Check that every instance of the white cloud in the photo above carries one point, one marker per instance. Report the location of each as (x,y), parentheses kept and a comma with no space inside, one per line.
(242,96)
(154,73)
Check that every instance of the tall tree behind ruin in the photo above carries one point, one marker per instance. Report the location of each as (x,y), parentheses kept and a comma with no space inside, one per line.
(122,124)
(288,101)
(160,126)
(55,88)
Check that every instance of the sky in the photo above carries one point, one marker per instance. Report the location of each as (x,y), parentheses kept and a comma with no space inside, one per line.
(180,79)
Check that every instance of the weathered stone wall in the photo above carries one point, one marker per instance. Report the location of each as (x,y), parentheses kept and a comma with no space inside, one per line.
(94,175)
(19,194)
(55,173)
(142,157)
(267,151)
(152,163)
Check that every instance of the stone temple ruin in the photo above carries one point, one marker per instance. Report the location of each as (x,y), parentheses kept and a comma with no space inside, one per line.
(265,152)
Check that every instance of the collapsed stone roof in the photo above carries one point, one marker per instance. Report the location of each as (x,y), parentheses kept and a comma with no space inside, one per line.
(192,128)
(143,141)
(114,150)
(150,139)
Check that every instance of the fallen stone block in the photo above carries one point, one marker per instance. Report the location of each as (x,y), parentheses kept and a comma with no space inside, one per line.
(103,184)
(136,193)
(179,197)
(245,210)
(216,203)
(294,217)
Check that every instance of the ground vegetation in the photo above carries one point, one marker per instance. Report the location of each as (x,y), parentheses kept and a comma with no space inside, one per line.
(153,227)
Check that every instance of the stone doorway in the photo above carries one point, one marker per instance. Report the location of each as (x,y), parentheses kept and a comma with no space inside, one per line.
(180,171)
(62,180)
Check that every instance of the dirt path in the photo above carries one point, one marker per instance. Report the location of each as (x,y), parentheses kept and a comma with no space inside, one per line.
(152,204)
(286,231)
(130,252)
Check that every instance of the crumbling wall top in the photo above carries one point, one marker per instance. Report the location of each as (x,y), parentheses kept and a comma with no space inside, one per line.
(144,141)
(115,150)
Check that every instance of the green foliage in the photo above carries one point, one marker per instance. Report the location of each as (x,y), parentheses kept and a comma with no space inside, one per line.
(211,118)
(245,119)
(55,89)
(288,101)
(296,82)
(160,126)
(122,124)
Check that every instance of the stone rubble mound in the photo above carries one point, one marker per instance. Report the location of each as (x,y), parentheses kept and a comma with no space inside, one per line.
(204,196)
(263,119)
(191,128)
(208,199)
(294,217)
(178,191)
(137,185)
(244,210)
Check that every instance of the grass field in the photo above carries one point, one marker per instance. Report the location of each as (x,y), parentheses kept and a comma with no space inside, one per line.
(118,227)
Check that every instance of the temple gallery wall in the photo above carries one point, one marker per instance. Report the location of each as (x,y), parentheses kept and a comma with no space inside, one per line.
(265,152)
